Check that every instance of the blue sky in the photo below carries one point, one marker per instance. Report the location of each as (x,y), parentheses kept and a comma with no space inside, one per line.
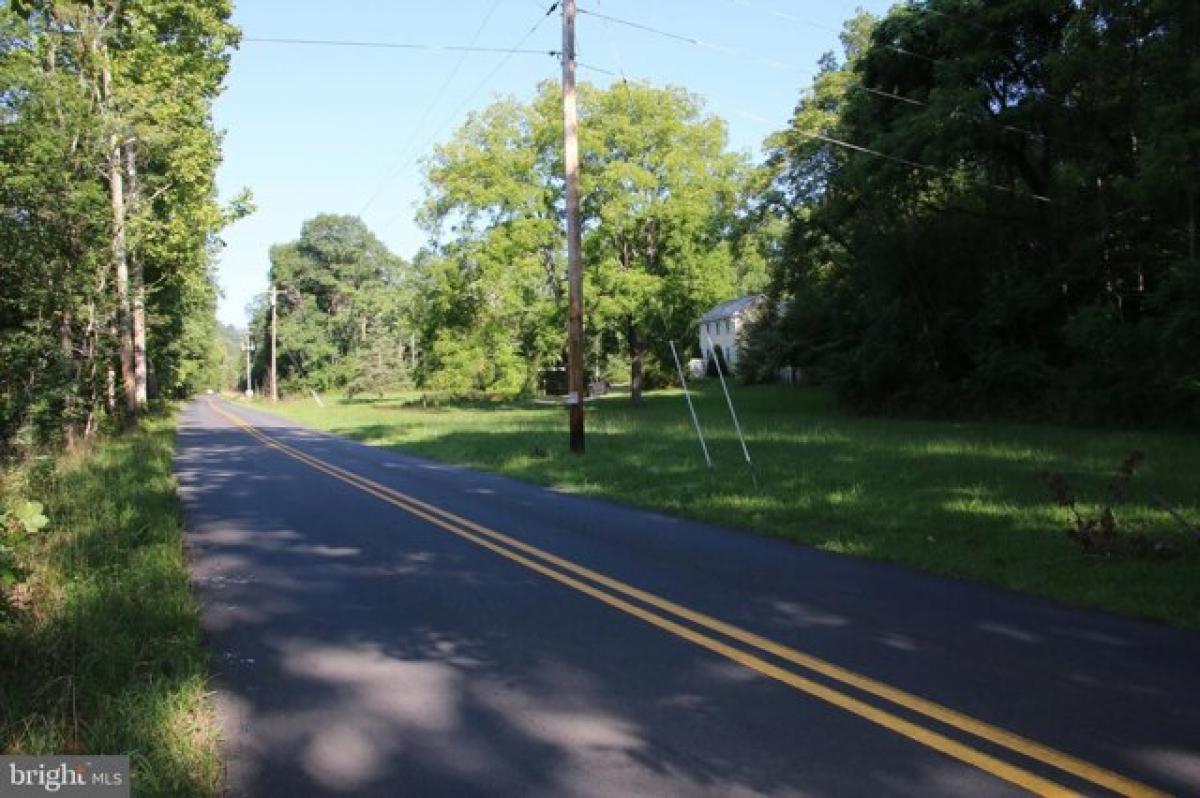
(342,130)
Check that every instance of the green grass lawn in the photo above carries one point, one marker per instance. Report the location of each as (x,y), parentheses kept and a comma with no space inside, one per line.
(962,499)
(104,654)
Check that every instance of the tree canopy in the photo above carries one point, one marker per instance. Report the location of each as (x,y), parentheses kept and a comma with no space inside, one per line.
(660,206)
(344,309)
(992,208)
(108,216)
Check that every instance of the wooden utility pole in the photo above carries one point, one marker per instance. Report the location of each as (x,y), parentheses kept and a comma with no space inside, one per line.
(274,371)
(575,368)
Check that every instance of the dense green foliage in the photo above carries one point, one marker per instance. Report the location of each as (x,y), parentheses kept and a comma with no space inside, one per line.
(482,308)
(1021,237)
(107,208)
(660,195)
(977,208)
(105,654)
(344,310)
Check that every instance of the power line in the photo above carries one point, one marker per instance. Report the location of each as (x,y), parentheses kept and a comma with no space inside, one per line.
(913,101)
(856,147)
(486,80)
(437,97)
(914,164)
(776,64)
(612,47)
(600,70)
(452,48)
(893,47)
(786,66)
(648,28)
(697,42)
(821,26)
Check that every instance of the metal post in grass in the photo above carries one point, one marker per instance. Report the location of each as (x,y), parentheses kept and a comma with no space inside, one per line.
(691,408)
(733,413)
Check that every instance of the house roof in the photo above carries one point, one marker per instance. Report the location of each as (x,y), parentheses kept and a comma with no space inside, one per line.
(731,308)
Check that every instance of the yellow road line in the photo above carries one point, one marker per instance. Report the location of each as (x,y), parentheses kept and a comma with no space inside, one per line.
(960,721)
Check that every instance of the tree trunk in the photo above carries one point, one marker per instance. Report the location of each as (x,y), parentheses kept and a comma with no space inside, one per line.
(137,289)
(110,389)
(637,354)
(66,347)
(89,356)
(120,256)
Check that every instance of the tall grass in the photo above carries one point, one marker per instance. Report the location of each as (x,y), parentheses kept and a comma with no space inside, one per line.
(103,654)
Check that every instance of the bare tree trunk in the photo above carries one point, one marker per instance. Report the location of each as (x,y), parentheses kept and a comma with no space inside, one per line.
(116,189)
(70,429)
(110,389)
(89,357)
(637,354)
(137,288)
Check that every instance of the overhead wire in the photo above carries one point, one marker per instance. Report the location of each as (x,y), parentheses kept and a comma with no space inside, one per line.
(916,164)
(612,48)
(828,139)
(486,80)
(607,19)
(693,40)
(782,65)
(471,47)
(451,48)
(437,98)
(894,48)
(632,111)
(821,26)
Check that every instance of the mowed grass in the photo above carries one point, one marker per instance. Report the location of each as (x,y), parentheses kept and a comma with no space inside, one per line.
(106,657)
(965,500)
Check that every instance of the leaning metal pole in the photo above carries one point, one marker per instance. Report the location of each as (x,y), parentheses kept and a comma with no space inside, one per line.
(732,412)
(691,408)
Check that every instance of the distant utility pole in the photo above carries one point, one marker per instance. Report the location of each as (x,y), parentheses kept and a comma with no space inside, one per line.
(575,368)
(274,371)
(248,348)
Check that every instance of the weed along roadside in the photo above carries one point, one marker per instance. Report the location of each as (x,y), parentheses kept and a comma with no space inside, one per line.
(100,646)
(966,500)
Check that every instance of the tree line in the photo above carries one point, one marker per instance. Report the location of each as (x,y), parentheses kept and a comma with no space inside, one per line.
(482,308)
(976,208)
(108,212)
(992,209)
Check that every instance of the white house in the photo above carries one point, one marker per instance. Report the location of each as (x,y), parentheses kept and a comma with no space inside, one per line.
(725,324)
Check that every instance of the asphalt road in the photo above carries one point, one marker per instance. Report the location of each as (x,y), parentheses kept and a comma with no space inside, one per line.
(387,625)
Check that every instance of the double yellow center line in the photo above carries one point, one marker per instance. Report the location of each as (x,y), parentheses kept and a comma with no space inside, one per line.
(667,615)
